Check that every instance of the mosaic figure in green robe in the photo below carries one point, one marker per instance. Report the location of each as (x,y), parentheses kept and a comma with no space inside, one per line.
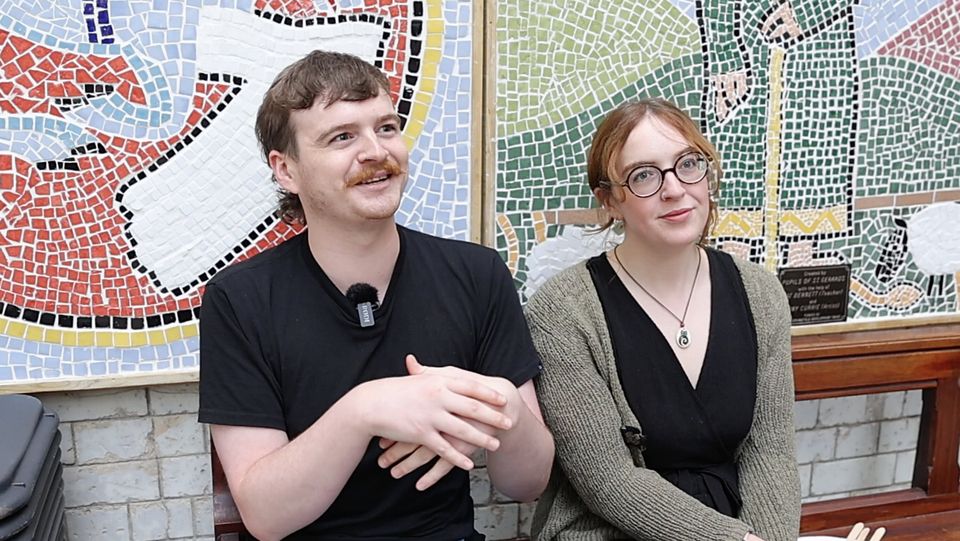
(781,98)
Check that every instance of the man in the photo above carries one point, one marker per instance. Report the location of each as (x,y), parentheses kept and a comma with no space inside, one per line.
(329,429)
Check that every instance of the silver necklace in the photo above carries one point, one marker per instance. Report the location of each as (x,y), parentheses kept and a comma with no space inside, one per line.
(683,335)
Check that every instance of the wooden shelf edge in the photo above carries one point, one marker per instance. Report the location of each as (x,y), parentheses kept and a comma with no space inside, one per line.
(876,341)
(847,327)
(843,512)
(164,377)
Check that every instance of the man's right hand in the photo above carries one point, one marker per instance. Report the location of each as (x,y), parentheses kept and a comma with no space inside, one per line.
(402,458)
(422,410)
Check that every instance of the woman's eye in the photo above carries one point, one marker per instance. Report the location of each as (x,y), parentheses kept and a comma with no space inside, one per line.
(643,175)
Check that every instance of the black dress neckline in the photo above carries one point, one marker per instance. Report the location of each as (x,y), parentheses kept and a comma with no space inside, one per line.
(691,432)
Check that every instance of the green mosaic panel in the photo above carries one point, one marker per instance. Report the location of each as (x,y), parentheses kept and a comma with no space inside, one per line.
(818,142)
(909,129)
(559,58)
(854,128)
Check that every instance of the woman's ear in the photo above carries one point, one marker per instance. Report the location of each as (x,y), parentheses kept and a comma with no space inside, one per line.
(608,202)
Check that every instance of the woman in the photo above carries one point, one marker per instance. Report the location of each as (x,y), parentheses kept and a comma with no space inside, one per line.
(667,380)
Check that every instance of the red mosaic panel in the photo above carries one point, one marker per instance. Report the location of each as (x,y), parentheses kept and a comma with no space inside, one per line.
(62,247)
(62,244)
(35,75)
(298,9)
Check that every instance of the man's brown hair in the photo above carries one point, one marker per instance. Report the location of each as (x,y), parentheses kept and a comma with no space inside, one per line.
(321,75)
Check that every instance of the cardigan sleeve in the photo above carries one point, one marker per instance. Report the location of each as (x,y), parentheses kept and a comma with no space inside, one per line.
(769,482)
(581,412)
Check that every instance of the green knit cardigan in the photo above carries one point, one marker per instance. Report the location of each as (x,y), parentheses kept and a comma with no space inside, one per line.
(599,487)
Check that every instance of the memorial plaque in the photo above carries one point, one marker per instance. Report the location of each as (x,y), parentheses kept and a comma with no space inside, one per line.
(817,294)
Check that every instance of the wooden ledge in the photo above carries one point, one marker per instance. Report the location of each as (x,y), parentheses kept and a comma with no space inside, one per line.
(144,379)
(876,341)
(944,526)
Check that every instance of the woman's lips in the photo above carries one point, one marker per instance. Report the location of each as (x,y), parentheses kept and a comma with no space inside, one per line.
(676,215)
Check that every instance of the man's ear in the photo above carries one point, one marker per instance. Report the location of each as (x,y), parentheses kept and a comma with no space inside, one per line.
(281,165)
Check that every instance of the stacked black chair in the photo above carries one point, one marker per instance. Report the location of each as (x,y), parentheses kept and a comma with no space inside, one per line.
(31,476)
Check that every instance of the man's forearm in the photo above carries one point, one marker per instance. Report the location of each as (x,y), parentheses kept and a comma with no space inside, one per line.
(283,486)
(520,468)
(292,486)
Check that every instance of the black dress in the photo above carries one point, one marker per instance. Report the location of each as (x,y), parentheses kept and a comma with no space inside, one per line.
(690,435)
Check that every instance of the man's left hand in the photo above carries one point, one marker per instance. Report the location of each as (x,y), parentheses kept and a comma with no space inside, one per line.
(403,457)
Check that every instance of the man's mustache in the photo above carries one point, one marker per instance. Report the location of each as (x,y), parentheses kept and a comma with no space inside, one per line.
(370,172)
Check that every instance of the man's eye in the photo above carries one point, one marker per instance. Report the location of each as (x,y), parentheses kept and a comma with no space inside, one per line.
(341,137)
(389,128)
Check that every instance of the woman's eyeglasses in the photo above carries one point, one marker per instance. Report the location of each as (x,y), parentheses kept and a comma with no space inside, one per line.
(646,180)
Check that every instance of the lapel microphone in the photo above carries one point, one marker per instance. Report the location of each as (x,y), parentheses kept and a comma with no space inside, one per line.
(364,297)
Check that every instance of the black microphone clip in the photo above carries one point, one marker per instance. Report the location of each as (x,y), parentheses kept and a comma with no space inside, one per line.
(364,296)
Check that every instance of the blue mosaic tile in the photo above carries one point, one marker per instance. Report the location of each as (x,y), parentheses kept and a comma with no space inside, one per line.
(877,21)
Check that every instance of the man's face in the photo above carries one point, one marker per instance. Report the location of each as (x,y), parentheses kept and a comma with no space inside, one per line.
(352,161)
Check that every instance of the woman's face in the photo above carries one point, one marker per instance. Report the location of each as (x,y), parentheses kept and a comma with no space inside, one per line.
(675,215)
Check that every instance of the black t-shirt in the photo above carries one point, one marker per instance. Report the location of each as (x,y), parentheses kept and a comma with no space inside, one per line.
(279,344)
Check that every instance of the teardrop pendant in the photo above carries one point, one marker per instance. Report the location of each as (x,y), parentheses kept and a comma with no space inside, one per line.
(683,338)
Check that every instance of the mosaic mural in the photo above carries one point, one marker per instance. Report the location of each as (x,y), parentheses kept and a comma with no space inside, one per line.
(129,172)
(838,123)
